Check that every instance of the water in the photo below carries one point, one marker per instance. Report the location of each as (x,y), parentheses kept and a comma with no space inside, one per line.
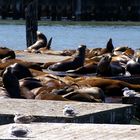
(70,37)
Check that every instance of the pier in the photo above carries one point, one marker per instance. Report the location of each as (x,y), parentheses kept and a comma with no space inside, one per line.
(52,111)
(75,131)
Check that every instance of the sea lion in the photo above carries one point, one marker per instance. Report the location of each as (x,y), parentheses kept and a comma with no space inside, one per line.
(86,94)
(46,93)
(106,67)
(121,48)
(100,51)
(6,52)
(3,93)
(76,62)
(40,43)
(103,67)
(86,69)
(109,48)
(48,96)
(20,71)
(14,88)
(11,83)
(133,67)
(109,86)
(30,83)
(5,63)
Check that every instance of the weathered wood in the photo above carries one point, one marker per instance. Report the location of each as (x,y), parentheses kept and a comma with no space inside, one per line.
(136,103)
(52,111)
(53,131)
(31,22)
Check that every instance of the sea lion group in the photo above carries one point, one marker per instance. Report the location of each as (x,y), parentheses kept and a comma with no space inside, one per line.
(22,79)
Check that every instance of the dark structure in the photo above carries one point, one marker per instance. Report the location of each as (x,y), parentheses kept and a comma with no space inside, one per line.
(111,10)
(31,15)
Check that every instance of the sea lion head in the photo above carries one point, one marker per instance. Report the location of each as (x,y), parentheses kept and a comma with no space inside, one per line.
(11,83)
(6,52)
(103,66)
(109,45)
(20,71)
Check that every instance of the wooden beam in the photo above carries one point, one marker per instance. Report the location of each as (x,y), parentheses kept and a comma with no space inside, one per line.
(31,15)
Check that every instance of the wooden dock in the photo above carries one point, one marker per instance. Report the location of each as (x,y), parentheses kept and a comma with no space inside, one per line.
(66,131)
(52,111)
(40,58)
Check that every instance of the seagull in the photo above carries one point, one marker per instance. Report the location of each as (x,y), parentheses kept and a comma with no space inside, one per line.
(69,111)
(130,93)
(18,131)
(20,118)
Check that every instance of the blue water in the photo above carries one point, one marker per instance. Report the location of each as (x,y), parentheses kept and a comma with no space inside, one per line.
(70,37)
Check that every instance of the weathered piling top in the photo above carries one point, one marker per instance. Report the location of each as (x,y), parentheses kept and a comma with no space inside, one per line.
(52,111)
(52,131)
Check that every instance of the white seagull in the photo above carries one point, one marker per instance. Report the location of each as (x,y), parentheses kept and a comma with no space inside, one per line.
(20,118)
(18,131)
(69,111)
(130,93)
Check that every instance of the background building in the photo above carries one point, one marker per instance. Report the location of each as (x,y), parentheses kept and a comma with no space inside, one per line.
(111,10)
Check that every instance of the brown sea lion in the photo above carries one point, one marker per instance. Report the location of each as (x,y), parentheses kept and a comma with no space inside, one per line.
(20,71)
(86,94)
(33,65)
(121,48)
(100,51)
(129,52)
(86,69)
(40,43)
(44,95)
(6,52)
(30,83)
(11,83)
(16,89)
(109,86)
(109,48)
(133,67)
(103,67)
(106,67)
(3,93)
(76,62)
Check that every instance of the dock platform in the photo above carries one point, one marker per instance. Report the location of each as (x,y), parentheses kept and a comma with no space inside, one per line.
(40,58)
(52,111)
(58,131)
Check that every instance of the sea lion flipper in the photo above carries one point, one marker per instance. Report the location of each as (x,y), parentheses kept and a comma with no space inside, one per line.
(49,43)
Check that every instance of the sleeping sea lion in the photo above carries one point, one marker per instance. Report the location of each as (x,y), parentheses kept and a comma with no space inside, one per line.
(86,94)
(86,69)
(6,52)
(133,67)
(76,62)
(109,86)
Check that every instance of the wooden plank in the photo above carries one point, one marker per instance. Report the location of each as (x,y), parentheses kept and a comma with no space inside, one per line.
(52,111)
(53,131)
(39,58)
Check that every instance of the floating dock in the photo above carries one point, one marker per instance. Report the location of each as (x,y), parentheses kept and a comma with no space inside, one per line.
(40,58)
(52,111)
(60,131)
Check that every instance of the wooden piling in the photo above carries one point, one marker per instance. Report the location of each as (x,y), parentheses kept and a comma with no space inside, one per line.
(31,13)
